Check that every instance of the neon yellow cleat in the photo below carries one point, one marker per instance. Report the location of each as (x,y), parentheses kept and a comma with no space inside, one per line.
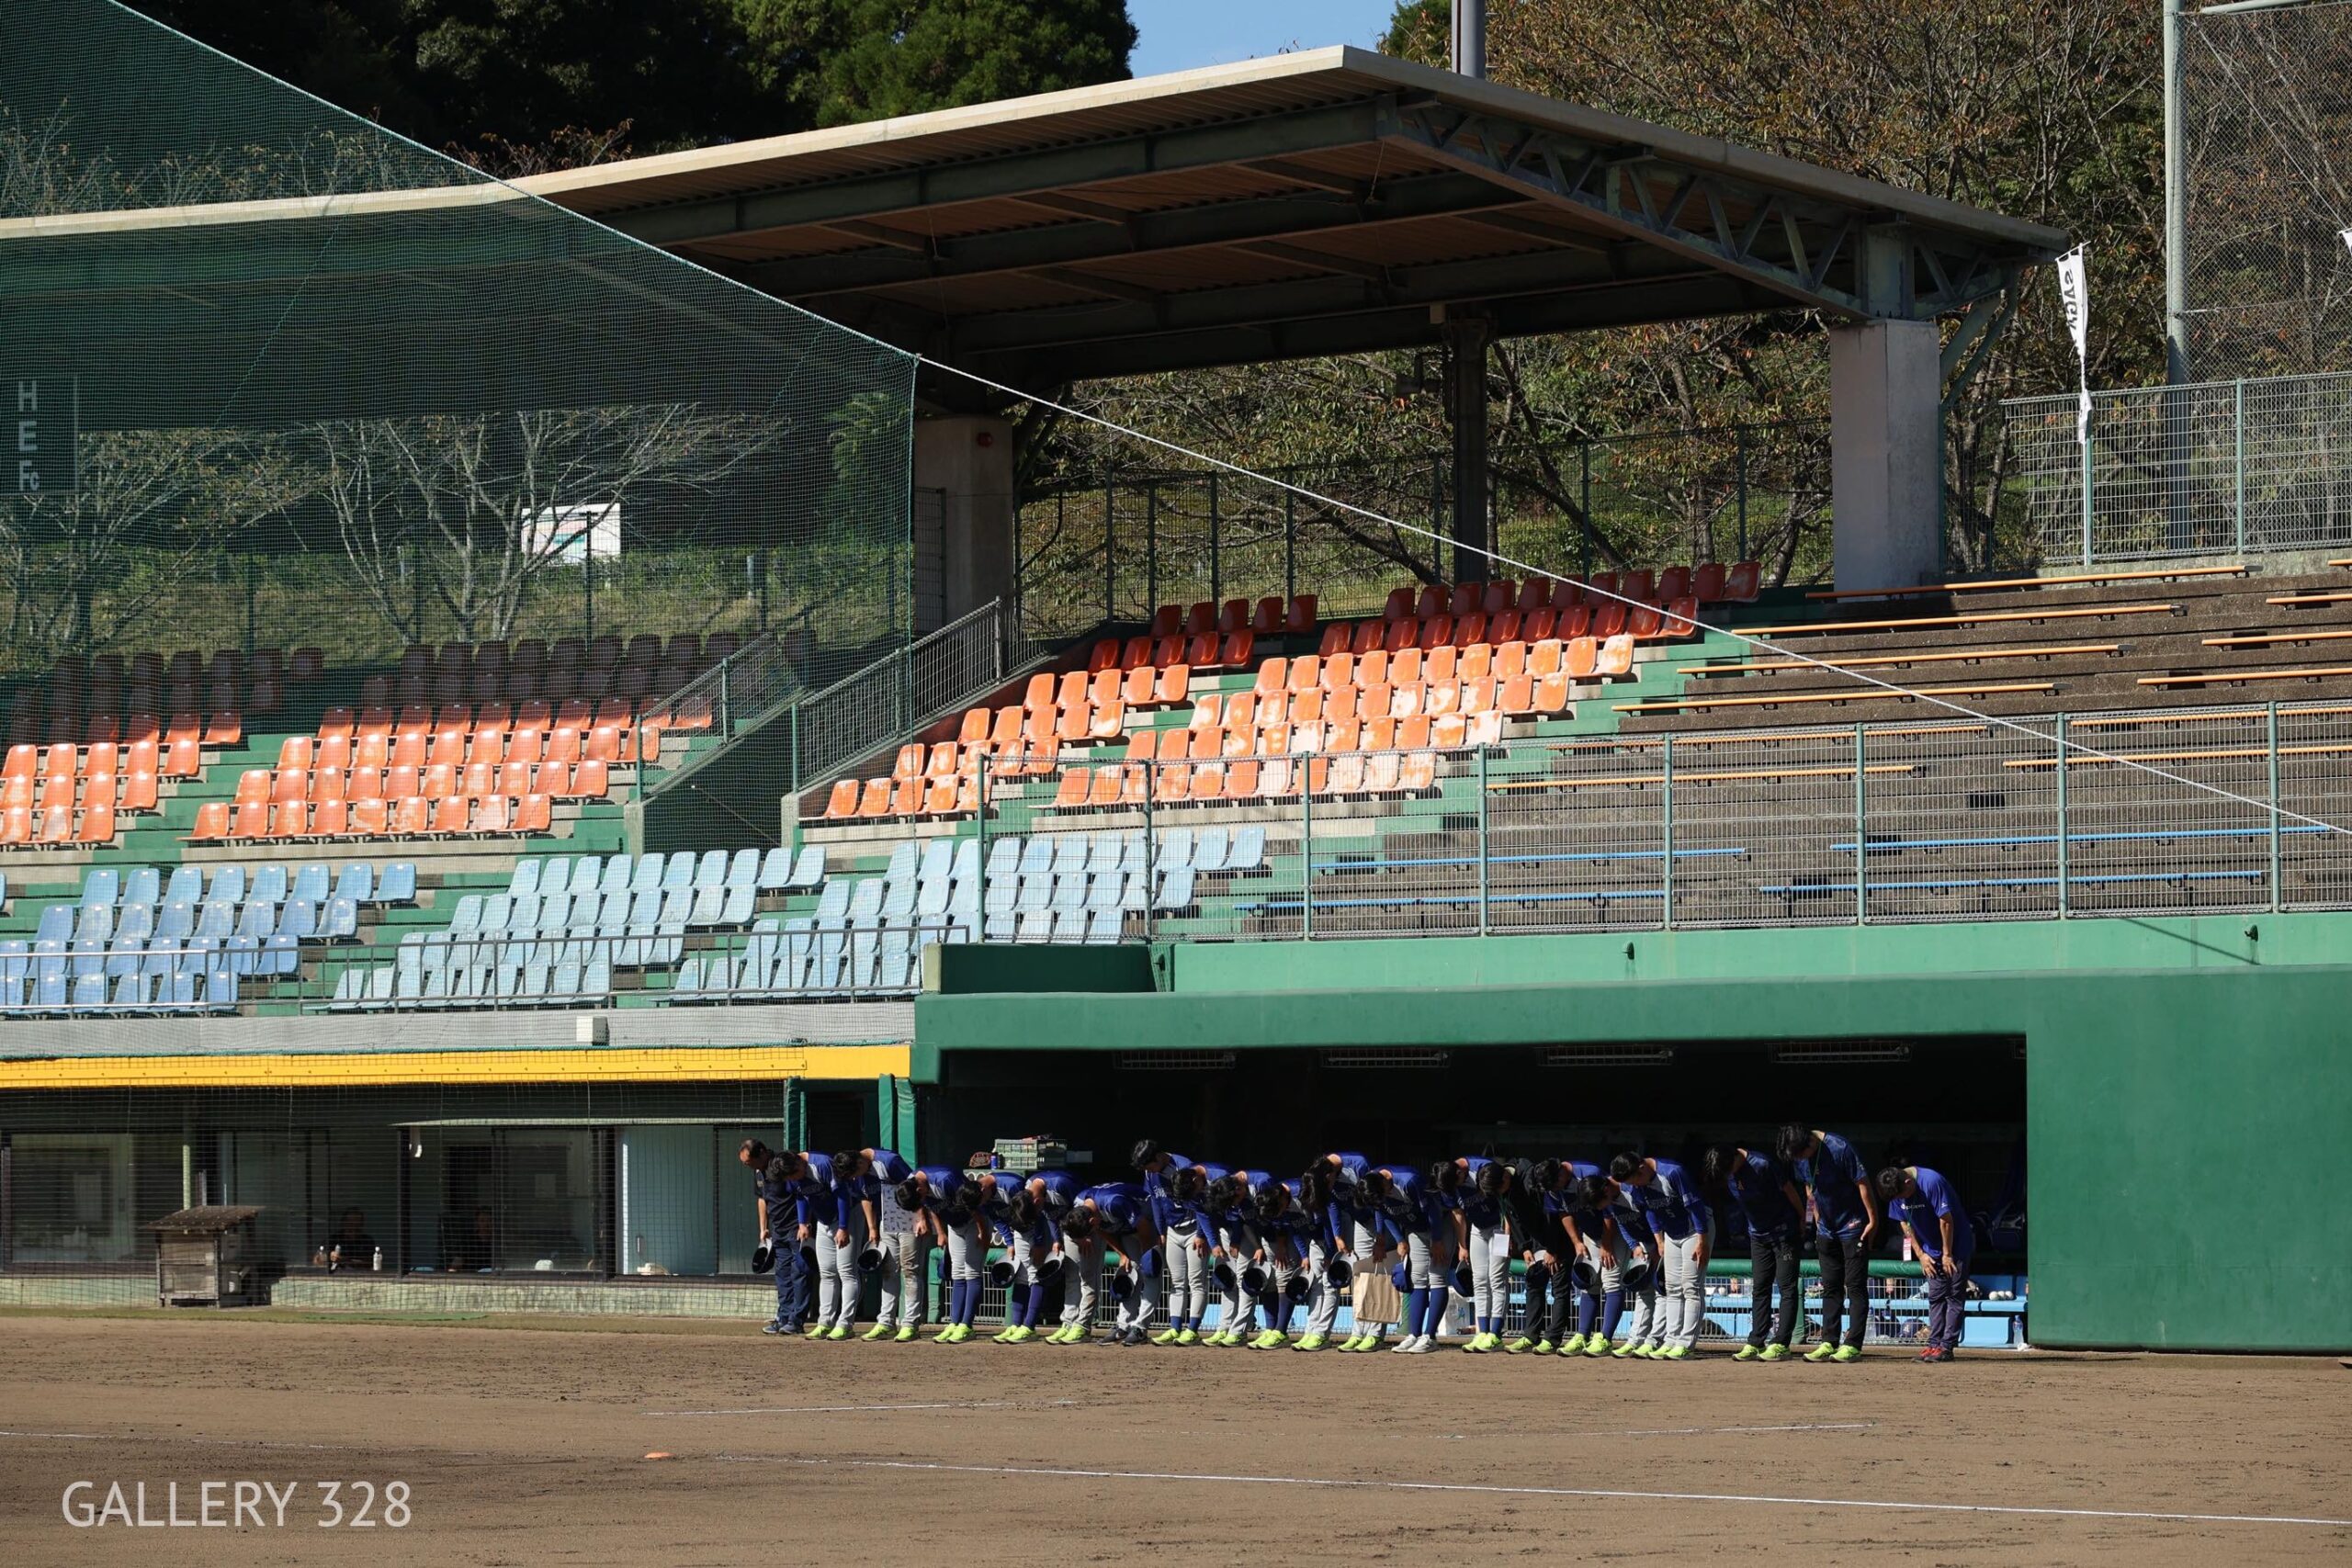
(1848,1353)
(1821,1352)
(1185,1337)
(1524,1343)
(1748,1353)
(1312,1342)
(879,1331)
(1775,1353)
(903,1335)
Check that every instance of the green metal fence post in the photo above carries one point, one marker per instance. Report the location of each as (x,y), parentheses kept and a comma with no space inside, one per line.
(252,589)
(792,765)
(2066,878)
(980,835)
(2270,746)
(2237,465)
(1584,500)
(1483,851)
(1290,547)
(1151,545)
(1110,557)
(1861,834)
(1307,855)
(2086,497)
(1666,831)
(1740,433)
(1217,576)
(1150,849)
(727,695)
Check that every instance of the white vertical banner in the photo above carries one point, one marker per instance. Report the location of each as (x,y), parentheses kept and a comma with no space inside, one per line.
(2346,238)
(2074,291)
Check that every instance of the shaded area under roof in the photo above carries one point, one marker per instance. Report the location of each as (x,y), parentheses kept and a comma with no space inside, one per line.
(1326,202)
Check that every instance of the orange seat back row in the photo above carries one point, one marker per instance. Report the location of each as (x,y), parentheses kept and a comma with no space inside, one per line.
(1273,616)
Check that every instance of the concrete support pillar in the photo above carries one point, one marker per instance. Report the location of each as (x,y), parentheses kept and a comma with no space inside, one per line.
(964,471)
(1467,338)
(1885,452)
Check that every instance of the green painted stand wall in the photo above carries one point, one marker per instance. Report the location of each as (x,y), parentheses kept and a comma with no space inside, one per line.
(2217,1060)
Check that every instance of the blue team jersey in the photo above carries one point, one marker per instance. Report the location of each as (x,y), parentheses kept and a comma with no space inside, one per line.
(1671,1203)
(1754,1183)
(1484,1212)
(1120,1205)
(1834,1175)
(889,1169)
(1925,1214)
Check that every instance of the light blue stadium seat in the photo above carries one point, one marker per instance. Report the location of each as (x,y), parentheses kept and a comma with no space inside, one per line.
(1005,855)
(89,993)
(775,869)
(314,880)
(281,957)
(999,926)
(216,920)
(933,897)
(137,921)
(50,990)
(1175,889)
(865,898)
(1037,854)
(258,920)
(596,981)
(809,866)
(187,886)
(56,924)
(350,990)
(1103,926)
(11,993)
(1071,850)
(678,872)
(1136,895)
(891,963)
(96,923)
(357,882)
(466,918)
(15,958)
(555,877)
(1069,892)
(1210,850)
(380,980)
(101,886)
(744,869)
(647,871)
(938,860)
(300,919)
(1249,852)
(175,921)
(177,990)
(1036,891)
(1106,890)
(1036,925)
(688,986)
(342,919)
(619,871)
(1004,893)
(742,902)
(1175,849)
(124,956)
(585,870)
(131,992)
(711,870)
(898,900)
(228,884)
(677,908)
(162,957)
(242,955)
(88,958)
(396,884)
(1103,852)
(497,915)
(709,903)
(143,886)
(264,883)
(526,878)
(219,991)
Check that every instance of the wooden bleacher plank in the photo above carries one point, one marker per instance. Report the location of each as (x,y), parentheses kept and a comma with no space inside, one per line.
(1766,666)
(1722,776)
(2075,578)
(2261,639)
(2209,677)
(2206,754)
(1752,737)
(2184,716)
(2338,597)
(1860,694)
(1983,618)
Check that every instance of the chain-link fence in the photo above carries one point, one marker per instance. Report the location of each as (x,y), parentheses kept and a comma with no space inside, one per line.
(2218,469)
(1115,546)
(284,380)
(2266,132)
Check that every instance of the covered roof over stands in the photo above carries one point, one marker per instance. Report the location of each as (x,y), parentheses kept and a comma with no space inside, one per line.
(1325,202)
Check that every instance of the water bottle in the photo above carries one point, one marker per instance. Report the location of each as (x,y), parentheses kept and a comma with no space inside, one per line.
(378,1265)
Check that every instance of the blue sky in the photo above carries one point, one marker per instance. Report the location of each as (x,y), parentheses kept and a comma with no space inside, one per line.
(1177,35)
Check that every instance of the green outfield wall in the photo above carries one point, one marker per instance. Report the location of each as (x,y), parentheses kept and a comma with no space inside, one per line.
(2163,1058)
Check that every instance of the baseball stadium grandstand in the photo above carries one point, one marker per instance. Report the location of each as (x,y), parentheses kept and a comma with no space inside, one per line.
(512,690)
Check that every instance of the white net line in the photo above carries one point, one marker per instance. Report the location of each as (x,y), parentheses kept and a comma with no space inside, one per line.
(1862,677)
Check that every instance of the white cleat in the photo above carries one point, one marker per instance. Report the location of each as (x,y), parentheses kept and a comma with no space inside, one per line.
(1419,1346)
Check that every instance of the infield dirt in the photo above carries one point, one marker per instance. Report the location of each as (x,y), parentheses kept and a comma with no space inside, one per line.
(526,1444)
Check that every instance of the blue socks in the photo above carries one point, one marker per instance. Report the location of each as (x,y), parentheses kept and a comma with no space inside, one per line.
(1032,1307)
(1416,1303)
(1611,1310)
(1588,1312)
(1433,1312)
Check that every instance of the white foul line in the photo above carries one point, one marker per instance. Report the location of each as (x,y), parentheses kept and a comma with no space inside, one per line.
(2012,1509)
(861,1409)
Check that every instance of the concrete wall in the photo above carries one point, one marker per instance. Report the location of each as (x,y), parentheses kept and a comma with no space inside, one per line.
(1885,455)
(970,460)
